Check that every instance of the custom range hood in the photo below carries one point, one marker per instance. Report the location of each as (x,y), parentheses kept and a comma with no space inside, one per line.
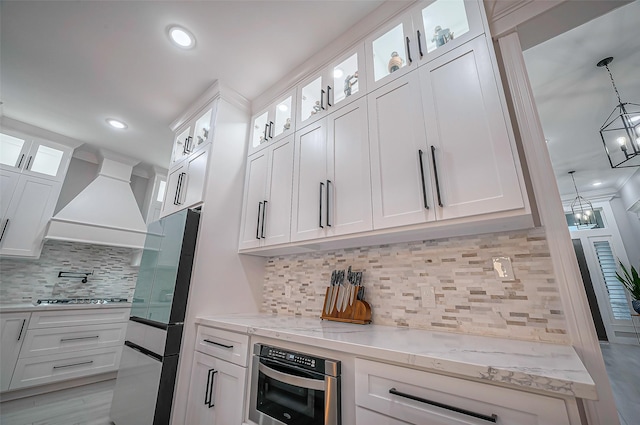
(105,212)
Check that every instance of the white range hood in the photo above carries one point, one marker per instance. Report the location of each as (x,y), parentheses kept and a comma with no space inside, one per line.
(105,212)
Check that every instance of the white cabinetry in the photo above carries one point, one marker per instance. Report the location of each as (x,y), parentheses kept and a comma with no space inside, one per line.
(12,331)
(273,123)
(332,185)
(62,345)
(217,386)
(35,157)
(400,395)
(266,217)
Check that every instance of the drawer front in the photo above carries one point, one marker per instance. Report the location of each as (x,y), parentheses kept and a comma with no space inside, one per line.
(368,417)
(224,345)
(56,318)
(39,342)
(46,369)
(422,397)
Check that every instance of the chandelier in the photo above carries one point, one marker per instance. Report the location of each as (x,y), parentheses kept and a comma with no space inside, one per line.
(581,209)
(620,132)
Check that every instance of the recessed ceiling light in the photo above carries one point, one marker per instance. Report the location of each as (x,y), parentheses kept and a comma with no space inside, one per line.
(116,123)
(181,37)
(597,183)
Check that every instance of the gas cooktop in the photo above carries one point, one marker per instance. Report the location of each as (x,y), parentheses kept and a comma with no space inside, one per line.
(56,301)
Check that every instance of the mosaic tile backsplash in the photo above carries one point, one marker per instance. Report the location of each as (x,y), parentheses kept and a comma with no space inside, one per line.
(462,291)
(27,280)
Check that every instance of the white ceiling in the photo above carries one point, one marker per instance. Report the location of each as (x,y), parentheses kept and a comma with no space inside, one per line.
(66,66)
(574,97)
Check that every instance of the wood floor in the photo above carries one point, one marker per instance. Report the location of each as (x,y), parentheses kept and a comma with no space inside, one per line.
(86,405)
(89,405)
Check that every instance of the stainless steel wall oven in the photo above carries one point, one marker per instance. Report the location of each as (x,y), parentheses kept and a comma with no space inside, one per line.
(293,388)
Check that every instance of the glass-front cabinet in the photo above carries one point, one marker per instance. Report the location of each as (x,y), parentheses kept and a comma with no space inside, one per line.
(197,134)
(274,122)
(333,87)
(180,144)
(418,36)
(32,156)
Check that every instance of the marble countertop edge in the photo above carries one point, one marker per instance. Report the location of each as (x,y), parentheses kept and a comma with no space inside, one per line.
(30,307)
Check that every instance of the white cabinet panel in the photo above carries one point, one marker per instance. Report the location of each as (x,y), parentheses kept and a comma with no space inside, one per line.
(225,345)
(216,392)
(8,184)
(468,134)
(309,184)
(349,192)
(277,214)
(31,208)
(369,417)
(52,318)
(172,199)
(401,194)
(254,196)
(196,178)
(13,327)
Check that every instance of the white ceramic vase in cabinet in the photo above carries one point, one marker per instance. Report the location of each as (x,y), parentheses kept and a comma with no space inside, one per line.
(266,216)
(342,81)
(331,189)
(400,166)
(470,142)
(216,392)
(13,327)
(273,123)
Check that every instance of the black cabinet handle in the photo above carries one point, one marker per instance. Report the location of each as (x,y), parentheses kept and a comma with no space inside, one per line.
(424,187)
(264,211)
(328,208)
(20,162)
(321,187)
(257,233)
(176,199)
(435,173)
(266,131)
(73,364)
(21,329)
(328,95)
(79,338)
(271,129)
(28,163)
(217,343)
(419,45)
(189,147)
(4,229)
(493,418)
(409,51)
(208,392)
(322,99)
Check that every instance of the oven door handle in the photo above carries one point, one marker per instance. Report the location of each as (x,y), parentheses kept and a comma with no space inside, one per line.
(298,381)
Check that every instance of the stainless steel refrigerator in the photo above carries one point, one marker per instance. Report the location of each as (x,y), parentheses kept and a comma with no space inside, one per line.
(144,387)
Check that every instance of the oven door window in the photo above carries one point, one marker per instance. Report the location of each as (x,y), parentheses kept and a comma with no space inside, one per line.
(287,394)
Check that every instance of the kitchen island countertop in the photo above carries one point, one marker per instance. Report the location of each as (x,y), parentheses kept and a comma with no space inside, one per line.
(545,367)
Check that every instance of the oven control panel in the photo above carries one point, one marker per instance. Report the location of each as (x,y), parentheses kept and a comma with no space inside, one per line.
(302,360)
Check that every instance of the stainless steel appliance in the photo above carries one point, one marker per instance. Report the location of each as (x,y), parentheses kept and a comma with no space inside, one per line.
(293,388)
(144,387)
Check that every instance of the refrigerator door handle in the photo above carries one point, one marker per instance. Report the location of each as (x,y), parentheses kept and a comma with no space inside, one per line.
(144,351)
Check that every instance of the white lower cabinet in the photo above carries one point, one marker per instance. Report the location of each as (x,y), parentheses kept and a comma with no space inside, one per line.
(13,327)
(389,394)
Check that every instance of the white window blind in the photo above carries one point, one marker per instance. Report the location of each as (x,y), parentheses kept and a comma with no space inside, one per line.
(615,289)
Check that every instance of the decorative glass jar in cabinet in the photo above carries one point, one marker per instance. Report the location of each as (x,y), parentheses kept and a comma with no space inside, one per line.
(273,123)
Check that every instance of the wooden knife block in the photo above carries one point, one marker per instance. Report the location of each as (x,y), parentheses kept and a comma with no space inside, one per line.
(357,312)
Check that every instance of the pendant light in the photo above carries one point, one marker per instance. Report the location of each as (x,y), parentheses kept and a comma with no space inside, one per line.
(581,209)
(620,132)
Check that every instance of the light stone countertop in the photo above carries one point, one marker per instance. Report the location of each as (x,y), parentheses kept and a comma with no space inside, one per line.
(30,307)
(551,368)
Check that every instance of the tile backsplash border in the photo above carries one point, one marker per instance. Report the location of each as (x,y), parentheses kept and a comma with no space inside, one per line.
(26,280)
(456,276)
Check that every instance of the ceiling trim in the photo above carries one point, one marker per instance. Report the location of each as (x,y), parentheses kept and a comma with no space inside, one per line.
(37,132)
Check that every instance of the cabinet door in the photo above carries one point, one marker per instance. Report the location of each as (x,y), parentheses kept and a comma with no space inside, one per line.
(312,99)
(193,190)
(47,159)
(277,209)
(442,25)
(216,392)
(13,151)
(31,208)
(349,171)
(467,127)
(399,161)
(347,78)
(203,130)
(13,327)
(172,199)
(8,183)
(180,145)
(391,51)
(254,197)
(308,218)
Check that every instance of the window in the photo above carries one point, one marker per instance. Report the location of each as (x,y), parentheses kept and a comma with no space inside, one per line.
(615,289)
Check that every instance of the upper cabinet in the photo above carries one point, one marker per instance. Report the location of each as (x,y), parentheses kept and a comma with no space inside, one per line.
(274,122)
(193,136)
(35,157)
(418,36)
(334,86)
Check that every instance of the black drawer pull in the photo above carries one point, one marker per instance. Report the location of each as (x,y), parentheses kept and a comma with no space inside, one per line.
(493,418)
(73,364)
(217,343)
(79,338)
(21,329)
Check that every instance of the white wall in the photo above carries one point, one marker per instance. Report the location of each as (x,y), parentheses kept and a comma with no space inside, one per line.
(629,221)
